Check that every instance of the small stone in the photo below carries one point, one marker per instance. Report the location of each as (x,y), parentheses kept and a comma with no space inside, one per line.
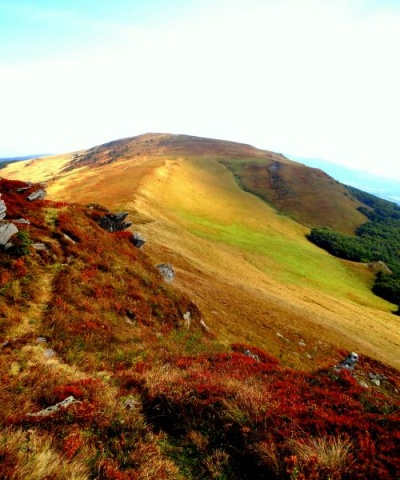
(69,239)
(204,326)
(22,220)
(187,319)
(376,382)
(137,240)
(41,340)
(49,353)
(349,362)
(301,343)
(167,272)
(37,195)
(251,355)
(363,384)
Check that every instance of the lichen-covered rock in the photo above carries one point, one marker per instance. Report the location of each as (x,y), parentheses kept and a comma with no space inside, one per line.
(37,195)
(7,230)
(166,271)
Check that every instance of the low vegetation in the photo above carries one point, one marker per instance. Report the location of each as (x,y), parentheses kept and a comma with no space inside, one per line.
(376,240)
(83,313)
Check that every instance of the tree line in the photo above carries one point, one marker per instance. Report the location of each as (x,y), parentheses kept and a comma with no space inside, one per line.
(376,240)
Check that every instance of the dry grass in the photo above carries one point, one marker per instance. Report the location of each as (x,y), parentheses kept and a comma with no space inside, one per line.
(249,269)
(333,454)
(30,455)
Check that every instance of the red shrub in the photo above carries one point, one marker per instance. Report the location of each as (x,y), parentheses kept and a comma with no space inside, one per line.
(11,185)
(5,277)
(63,391)
(123,234)
(72,443)
(19,267)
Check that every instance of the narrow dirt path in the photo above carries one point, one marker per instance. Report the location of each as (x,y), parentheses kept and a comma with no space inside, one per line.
(32,317)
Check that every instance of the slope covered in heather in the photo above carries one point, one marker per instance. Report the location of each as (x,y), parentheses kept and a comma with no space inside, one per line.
(143,390)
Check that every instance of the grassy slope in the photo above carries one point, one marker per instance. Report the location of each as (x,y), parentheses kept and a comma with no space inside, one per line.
(155,398)
(251,270)
(308,195)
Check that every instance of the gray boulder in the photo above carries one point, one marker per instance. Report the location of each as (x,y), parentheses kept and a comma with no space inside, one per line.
(166,271)
(138,240)
(349,362)
(37,195)
(7,230)
(3,209)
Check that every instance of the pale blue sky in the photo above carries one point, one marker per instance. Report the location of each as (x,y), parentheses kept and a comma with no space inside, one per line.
(313,78)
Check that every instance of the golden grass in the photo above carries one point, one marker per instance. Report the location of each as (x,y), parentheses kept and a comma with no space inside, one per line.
(332,453)
(251,270)
(37,170)
(30,455)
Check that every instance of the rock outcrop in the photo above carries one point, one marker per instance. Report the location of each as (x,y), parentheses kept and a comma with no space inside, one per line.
(37,195)
(54,408)
(3,209)
(114,222)
(7,230)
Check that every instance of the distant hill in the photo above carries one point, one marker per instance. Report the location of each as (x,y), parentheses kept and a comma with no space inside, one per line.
(7,160)
(309,196)
(383,187)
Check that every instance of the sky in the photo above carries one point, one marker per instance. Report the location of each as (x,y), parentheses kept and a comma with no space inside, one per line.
(310,78)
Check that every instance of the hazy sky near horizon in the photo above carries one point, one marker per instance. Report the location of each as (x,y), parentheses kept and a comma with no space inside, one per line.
(311,78)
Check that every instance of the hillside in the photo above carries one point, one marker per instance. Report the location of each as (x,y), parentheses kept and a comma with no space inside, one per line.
(384,187)
(133,385)
(307,195)
(249,267)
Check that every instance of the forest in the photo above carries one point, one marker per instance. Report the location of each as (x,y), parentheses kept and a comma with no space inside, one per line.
(376,240)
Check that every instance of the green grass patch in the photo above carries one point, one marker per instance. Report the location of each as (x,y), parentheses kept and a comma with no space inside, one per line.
(290,260)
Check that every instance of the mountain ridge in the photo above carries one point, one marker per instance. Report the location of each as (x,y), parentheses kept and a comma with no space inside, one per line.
(246,264)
